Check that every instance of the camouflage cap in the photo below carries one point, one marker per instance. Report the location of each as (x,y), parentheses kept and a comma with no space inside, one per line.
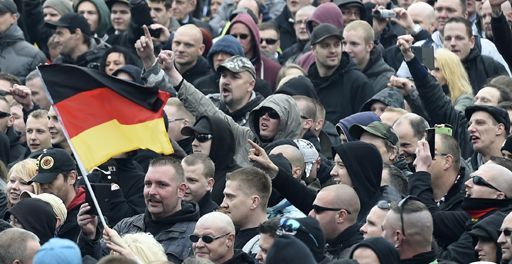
(376,128)
(237,64)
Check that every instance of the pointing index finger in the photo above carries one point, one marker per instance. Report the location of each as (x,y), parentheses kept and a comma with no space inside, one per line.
(146,32)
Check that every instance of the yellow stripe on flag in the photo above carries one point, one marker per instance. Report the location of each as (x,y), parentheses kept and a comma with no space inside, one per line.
(96,145)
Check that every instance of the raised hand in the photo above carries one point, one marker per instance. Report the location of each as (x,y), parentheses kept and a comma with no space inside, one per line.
(145,49)
(423,158)
(404,43)
(259,157)
(403,84)
(87,222)
(22,95)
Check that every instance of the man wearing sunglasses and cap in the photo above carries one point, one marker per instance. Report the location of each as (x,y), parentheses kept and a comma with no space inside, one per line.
(276,117)
(488,191)
(214,239)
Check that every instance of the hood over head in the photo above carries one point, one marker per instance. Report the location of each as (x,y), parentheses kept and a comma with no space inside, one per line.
(247,20)
(386,253)
(289,117)
(298,85)
(361,118)
(326,13)
(103,15)
(389,96)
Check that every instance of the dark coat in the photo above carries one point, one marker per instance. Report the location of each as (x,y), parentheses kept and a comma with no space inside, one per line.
(377,71)
(284,23)
(480,68)
(438,106)
(502,37)
(343,92)
(200,69)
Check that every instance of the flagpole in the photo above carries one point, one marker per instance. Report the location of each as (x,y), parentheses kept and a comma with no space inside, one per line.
(78,161)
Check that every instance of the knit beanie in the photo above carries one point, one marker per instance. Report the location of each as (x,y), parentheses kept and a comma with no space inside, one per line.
(227,44)
(61,6)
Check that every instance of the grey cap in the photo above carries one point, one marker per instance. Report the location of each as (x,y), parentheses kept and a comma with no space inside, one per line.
(8,6)
(324,31)
(238,64)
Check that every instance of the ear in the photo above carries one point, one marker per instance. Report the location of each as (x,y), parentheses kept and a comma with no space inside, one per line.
(252,83)
(397,238)
(182,188)
(193,3)
(230,241)
(472,41)
(501,196)
(255,202)
(10,121)
(500,129)
(369,46)
(296,173)
(72,177)
(319,124)
(210,183)
(201,49)
(392,155)
(308,123)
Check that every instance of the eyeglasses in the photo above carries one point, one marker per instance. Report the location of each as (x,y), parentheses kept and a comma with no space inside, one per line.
(241,36)
(320,209)
(401,206)
(203,137)
(4,114)
(288,226)
(206,239)
(482,182)
(269,41)
(267,110)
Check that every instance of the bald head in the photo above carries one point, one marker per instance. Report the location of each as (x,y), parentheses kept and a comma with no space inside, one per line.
(422,14)
(344,196)
(187,45)
(217,221)
(497,176)
(293,155)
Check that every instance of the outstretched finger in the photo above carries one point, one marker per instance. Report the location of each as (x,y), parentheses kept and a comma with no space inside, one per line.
(146,32)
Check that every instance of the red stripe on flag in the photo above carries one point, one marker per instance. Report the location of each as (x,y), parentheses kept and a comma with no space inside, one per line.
(91,108)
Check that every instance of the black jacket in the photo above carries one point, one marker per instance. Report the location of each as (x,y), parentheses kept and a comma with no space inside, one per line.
(200,69)
(206,205)
(90,58)
(341,246)
(439,107)
(16,149)
(70,228)
(284,23)
(343,92)
(35,27)
(222,153)
(240,257)
(502,37)
(480,68)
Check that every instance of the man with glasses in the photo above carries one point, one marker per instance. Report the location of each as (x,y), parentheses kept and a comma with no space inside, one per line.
(487,192)
(212,137)
(504,239)
(214,239)
(374,220)
(177,118)
(269,40)
(336,208)
(302,35)
(409,227)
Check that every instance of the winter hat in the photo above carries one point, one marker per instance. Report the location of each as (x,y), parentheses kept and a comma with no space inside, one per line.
(361,118)
(61,6)
(298,85)
(134,72)
(227,44)
(58,250)
(36,216)
(382,248)
(288,249)
(500,115)
(315,239)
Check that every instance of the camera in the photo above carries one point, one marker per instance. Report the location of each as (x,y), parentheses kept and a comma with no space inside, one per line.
(384,13)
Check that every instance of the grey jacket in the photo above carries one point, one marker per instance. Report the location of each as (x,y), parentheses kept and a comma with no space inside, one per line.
(17,56)
(198,104)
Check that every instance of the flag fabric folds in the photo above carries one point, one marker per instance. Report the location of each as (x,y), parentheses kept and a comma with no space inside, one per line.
(105,116)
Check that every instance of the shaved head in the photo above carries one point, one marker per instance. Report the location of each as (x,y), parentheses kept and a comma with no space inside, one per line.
(344,196)
(218,221)
(498,176)
(292,154)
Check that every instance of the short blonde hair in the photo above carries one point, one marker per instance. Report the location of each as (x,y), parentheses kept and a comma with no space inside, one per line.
(25,170)
(363,27)
(59,209)
(145,247)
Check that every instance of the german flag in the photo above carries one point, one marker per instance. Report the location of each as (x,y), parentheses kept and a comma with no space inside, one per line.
(105,116)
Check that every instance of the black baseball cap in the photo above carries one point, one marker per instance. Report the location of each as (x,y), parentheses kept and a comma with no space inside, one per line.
(500,115)
(51,163)
(324,31)
(202,126)
(72,21)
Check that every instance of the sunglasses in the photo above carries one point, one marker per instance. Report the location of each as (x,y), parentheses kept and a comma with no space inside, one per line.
(267,110)
(241,36)
(482,182)
(203,137)
(206,239)
(401,206)
(320,209)
(4,114)
(506,231)
(269,41)
(288,226)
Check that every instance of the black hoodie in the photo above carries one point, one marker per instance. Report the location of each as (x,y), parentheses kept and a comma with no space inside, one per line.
(200,69)
(364,166)
(222,153)
(344,91)
(385,252)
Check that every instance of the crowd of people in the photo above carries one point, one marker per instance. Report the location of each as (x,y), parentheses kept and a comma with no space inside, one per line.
(304,131)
